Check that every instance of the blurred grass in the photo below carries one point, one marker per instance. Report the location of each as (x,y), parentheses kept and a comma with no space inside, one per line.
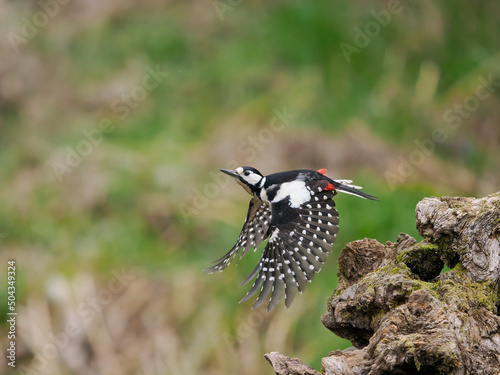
(120,205)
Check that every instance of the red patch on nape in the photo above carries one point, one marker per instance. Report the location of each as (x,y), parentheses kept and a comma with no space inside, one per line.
(322,171)
(330,187)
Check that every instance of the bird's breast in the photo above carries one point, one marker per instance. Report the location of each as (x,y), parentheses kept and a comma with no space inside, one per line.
(263,196)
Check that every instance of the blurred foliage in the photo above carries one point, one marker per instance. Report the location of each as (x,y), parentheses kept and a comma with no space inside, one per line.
(147,195)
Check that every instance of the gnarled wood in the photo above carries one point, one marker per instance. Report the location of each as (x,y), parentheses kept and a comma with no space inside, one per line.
(284,365)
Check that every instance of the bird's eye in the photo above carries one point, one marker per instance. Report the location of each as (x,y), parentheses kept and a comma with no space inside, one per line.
(246,173)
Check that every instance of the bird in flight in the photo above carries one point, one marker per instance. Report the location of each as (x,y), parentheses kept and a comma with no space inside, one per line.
(295,211)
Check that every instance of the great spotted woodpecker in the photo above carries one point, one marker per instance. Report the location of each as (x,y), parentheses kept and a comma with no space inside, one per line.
(296,212)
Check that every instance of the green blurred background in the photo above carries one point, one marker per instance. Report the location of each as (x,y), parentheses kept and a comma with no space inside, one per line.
(111,230)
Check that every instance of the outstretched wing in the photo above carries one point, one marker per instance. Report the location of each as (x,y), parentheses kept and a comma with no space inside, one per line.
(300,241)
(255,229)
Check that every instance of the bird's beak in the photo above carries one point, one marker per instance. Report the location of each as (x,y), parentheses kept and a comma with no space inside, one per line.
(230,172)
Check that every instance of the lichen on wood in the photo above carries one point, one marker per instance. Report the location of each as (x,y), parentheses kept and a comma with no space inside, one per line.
(404,315)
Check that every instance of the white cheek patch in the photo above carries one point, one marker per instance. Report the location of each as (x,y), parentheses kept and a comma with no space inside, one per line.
(252,179)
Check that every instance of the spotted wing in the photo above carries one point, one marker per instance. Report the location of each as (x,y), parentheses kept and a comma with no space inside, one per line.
(300,241)
(255,229)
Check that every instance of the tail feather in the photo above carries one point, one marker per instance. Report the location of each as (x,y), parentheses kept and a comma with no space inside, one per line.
(344,186)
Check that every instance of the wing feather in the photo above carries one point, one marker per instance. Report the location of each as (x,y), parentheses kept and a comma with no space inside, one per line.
(296,249)
(255,229)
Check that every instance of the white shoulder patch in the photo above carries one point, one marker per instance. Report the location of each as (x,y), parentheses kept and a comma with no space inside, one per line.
(296,190)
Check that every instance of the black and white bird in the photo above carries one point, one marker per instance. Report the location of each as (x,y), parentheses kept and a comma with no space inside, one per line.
(295,211)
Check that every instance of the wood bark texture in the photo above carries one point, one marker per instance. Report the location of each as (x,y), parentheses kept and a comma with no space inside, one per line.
(404,315)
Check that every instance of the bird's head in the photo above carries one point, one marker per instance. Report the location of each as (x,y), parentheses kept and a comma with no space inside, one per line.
(248,177)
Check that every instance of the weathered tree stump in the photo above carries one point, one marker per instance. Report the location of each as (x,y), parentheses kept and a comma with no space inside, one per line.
(402,314)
